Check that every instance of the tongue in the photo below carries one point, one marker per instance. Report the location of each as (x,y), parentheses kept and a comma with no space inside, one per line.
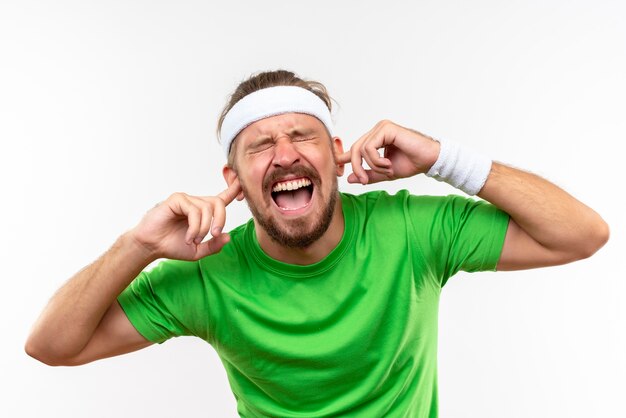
(293,199)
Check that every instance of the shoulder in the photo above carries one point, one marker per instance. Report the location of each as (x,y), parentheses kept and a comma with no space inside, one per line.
(389,213)
(423,212)
(402,200)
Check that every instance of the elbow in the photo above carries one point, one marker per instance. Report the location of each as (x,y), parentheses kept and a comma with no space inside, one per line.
(35,352)
(41,355)
(44,355)
(594,240)
(604,233)
(600,236)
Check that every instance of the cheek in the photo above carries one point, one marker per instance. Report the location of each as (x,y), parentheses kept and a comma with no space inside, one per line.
(328,166)
(318,155)
(253,174)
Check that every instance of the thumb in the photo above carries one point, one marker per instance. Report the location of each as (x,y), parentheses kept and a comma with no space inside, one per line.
(212,246)
(372,177)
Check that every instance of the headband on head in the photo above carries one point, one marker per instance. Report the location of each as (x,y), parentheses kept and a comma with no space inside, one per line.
(268,102)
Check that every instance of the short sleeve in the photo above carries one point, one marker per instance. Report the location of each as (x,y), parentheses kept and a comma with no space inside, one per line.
(458,234)
(168,301)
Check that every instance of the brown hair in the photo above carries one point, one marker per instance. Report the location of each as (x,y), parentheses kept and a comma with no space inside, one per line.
(267,79)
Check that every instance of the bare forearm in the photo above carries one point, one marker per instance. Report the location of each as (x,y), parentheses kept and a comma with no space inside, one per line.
(548,226)
(548,214)
(70,318)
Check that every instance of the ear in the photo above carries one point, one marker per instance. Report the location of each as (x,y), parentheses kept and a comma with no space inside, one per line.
(338,150)
(230,175)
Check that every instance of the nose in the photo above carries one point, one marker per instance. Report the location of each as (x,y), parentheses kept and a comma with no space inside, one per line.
(285,153)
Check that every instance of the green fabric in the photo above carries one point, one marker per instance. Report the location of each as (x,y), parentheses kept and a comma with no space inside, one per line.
(352,335)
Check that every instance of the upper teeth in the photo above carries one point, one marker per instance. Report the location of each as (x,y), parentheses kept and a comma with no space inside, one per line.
(291,185)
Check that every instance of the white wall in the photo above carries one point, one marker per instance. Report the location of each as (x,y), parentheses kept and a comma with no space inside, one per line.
(108,107)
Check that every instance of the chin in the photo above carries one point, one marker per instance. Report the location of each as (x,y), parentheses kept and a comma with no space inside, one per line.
(300,232)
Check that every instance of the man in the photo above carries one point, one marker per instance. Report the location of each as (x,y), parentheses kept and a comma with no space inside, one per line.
(324,303)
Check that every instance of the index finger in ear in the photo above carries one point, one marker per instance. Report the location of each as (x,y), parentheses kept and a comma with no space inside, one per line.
(344,157)
(231,192)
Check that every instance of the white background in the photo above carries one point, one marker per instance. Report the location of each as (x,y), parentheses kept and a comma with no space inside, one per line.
(106,108)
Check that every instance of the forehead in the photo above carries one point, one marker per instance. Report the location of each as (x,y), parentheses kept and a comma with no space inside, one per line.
(285,124)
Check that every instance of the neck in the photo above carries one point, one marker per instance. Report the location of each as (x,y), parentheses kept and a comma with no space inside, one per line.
(311,254)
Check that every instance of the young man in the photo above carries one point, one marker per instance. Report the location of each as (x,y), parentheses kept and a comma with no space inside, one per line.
(324,303)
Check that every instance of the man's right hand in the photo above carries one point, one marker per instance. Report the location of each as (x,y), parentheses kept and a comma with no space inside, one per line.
(177,227)
(83,322)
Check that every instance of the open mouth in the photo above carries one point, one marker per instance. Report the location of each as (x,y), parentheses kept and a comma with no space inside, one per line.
(292,194)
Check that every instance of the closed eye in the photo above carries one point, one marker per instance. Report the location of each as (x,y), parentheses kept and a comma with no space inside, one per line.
(303,138)
(260,146)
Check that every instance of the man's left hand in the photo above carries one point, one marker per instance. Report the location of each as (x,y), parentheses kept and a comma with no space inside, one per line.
(405,153)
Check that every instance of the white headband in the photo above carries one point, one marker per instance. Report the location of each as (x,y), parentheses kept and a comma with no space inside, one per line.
(268,102)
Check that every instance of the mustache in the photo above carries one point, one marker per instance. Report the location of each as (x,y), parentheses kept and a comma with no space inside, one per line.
(298,171)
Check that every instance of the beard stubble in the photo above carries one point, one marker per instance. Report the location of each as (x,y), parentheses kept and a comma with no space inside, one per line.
(297,233)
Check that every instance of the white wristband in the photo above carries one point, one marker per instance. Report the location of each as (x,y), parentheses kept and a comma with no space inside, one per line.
(461,167)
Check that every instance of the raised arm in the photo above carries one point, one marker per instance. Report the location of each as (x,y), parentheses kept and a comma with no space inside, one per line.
(548,226)
(83,321)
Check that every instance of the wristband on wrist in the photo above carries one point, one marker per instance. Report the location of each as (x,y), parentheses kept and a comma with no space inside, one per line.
(460,167)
